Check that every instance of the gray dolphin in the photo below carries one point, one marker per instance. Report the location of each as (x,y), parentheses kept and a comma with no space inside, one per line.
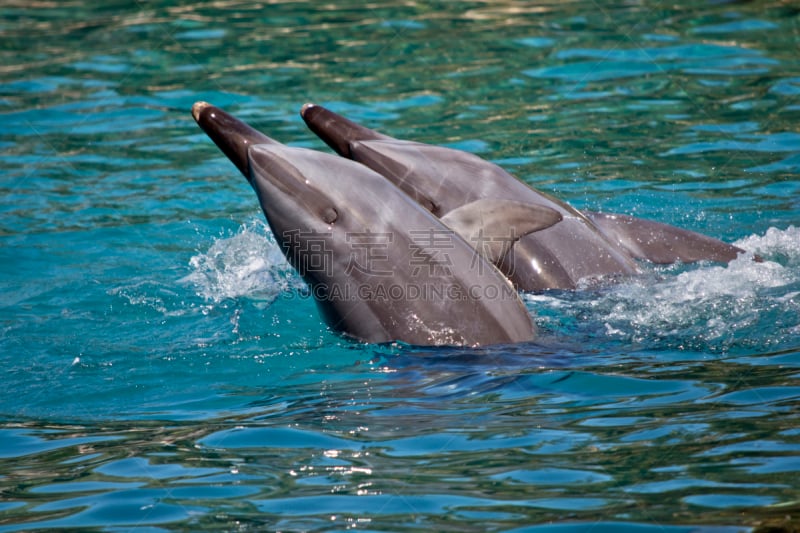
(380,267)
(448,183)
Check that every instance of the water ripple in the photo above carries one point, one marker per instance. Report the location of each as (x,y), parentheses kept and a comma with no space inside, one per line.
(165,368)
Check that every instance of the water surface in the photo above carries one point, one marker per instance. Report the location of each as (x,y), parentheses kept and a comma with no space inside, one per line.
(165,369)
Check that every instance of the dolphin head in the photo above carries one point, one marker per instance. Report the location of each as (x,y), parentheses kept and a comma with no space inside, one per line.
(338,132)
(290,201)
(438,178)
(308,197)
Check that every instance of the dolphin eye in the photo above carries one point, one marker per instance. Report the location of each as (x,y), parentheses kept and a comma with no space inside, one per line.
(329,215)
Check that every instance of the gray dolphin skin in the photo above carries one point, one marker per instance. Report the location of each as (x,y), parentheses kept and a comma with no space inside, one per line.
(380,267)
(449,183)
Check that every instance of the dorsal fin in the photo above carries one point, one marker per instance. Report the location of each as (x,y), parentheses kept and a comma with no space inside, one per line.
(492,226)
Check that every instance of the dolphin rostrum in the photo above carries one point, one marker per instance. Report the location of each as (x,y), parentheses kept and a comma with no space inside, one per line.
(380,267)
(449,182)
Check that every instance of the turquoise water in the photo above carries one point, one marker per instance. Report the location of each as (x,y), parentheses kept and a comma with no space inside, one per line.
(165,370)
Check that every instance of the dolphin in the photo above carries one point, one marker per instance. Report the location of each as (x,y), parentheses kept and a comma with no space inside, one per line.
(380,267)
(447,182)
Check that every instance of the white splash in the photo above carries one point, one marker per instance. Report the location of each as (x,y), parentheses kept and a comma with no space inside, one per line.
(779,245)
(700,306)
(248,263)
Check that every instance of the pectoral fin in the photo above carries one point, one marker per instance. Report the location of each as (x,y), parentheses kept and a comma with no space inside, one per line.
(661,243)
(492,226)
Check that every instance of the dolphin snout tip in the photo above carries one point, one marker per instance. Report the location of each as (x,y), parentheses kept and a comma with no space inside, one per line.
(198,108)
(305,108)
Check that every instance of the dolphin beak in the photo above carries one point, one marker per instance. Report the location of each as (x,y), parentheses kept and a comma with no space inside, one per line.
(335,130)
(230,134)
